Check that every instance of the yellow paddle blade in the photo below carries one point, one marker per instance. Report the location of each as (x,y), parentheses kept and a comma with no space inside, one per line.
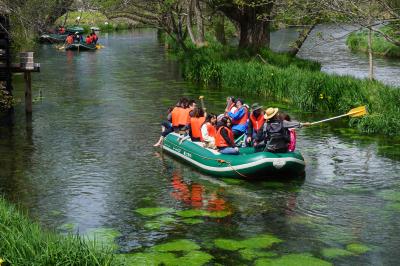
(358,111)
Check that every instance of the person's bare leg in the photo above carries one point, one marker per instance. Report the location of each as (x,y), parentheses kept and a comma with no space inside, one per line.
(159,142)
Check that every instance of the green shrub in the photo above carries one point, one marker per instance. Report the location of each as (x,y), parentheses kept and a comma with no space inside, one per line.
(358,41)
(6,100)
(25,243)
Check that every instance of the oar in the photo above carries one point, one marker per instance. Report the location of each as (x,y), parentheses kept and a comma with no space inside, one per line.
(355,112)
(240,139)
(202,103)
(62,47)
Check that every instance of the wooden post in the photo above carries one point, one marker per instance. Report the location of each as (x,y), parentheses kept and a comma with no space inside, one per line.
(28,92)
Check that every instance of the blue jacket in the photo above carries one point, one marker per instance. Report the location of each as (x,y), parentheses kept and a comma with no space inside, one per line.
(236,116)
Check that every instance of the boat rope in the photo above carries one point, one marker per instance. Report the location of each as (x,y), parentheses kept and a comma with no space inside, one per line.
(220,161)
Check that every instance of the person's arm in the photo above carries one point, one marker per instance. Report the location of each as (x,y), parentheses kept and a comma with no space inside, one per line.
(169,117)
(224,134)
(250,129)
(293,124)
(204,133)
(237,115)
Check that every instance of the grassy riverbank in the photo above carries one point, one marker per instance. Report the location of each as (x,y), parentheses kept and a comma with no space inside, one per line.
(25,243)
(358,41)
(293,81)
(96,19)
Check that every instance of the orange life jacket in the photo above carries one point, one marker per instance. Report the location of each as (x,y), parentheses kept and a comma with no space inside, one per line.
(70,39)
(195,125)
(88,40)
(257,122)
(175,116)
(243,119)
(184,117)
(219,139)
(231,106)
(212,131)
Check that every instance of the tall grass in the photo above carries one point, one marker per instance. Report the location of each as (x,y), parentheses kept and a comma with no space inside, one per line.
(25,243)
(358,41)
(295,82)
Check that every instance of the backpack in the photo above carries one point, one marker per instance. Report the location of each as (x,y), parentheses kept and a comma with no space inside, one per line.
(277,137)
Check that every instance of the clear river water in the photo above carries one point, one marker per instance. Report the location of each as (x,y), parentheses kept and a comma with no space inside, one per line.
(84,162)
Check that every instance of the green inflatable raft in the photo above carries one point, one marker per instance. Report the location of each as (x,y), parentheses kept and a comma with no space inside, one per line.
(81,47)
(52,38)
(248,164)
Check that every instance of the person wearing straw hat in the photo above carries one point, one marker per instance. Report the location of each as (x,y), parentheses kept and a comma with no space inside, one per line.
(275,136)
(256,121)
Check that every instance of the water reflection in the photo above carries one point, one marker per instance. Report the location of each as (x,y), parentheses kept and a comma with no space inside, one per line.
(86,159)
(195,195)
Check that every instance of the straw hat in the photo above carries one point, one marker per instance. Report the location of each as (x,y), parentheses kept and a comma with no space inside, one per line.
(256,106)
(270,112)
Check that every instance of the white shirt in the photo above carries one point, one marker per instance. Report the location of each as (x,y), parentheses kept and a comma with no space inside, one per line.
(204,133)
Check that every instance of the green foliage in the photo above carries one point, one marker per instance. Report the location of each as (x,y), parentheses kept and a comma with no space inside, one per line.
(251,254)
(332,253)
(177,245)
(286,60)
(192,258)
(96,19)
(203,213)
(357,248)
(390,194)
(295,83)
(153,211)
(262,241)
(293,259)
(6,100)
(25,243)
(358,41)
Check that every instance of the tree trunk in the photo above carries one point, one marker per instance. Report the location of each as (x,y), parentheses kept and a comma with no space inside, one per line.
(58,10)
(189,21)
(301,39)
(65,19)
(254,34)
(200,25)
(371,63)
(220,29)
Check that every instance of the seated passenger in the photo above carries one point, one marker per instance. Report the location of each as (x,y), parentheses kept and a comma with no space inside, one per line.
(292,133)
(180,116)
(166,128)
(224,138)
(70,39)
(61,30)
(230,105)
(256,121)
(88,40)
(94,37)
(208,131)
(239,119)
(195,124)
(275,135)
